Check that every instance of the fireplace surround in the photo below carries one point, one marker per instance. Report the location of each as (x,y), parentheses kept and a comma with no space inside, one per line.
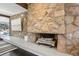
(45,39)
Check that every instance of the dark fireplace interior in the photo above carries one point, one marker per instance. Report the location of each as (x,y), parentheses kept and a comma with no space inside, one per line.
(47,39)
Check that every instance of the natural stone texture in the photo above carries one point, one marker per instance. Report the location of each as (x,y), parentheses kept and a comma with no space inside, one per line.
(32,37)
(46,18)
(69,19)
(68,42)
(37,10)
(72,10)
(76,34)
(69,48)
(75,50)
(76,22)
(61,46)
(50,13)
(60,6)
(52,5)
(59,13)
(69,36)
(59,20)
(75,41)
(71,28)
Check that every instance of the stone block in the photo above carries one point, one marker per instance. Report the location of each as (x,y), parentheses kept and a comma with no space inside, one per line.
(69,49)
(50,13)
(69,19)
(68,42)
(76,22)
(32,37)
(75,50)
(76,34)
(69,36)
(61,46)
(71,28)
(59,20)
(59,6)
(59,13)
(72,10)
(51,5)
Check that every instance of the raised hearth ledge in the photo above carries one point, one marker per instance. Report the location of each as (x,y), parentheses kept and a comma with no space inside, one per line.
(32,47)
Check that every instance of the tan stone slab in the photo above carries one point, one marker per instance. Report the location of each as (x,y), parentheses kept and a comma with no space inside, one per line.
(59,20)
(50,12)
(59,6)
(59,13)
(34,9)
(43,18)
(76,22)
(71,28)
(75,50)
(61,46)
(76,35)
(52,5)
(69,19)
(72,10)
(32,37)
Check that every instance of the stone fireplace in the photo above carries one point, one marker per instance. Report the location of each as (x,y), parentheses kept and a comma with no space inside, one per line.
(45,23)
(52,24)
(56,21)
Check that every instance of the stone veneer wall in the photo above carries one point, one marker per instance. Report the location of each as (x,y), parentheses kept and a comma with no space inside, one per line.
(69,42)
(42,18)
(46,18)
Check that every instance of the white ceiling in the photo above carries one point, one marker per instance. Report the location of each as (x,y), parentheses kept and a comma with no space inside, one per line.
(11,9)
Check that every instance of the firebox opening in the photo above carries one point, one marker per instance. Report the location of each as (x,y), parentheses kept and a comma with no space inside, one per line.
(47,39)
